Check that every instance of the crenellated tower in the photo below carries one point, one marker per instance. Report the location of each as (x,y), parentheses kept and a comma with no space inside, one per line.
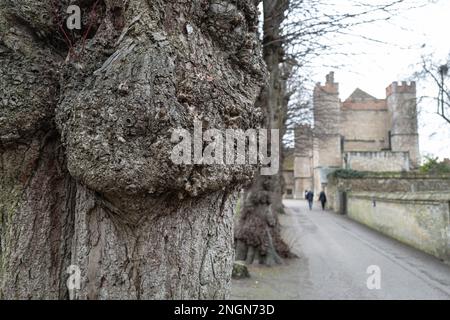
(402,106)
(362,133)
(327,137)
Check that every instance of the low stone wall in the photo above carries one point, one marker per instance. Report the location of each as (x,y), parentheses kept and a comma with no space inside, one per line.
(348,181)
(419,219)
(411,207)
(377,161)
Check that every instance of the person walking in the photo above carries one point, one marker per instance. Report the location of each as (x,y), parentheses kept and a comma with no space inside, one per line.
(310,198)
(323,199)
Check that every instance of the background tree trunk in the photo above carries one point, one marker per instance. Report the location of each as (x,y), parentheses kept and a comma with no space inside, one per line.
(257,234)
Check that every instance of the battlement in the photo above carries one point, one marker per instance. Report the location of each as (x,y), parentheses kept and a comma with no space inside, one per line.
(330,86)
(404,87)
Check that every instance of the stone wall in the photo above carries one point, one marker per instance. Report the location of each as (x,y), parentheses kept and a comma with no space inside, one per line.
(303,167)
(350,181)
(411,207)
(289,184)
(377,161)
(301,185)
(419,219)
(365,130)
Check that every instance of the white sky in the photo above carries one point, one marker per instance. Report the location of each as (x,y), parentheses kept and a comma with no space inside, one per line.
(376,65)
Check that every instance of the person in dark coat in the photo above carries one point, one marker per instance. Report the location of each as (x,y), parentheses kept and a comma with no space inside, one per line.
(323,199)
(306,194)
(310,198)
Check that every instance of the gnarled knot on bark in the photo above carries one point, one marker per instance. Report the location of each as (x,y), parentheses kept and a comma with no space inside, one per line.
(164,64)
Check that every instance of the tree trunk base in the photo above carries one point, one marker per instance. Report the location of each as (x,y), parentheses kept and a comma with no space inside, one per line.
(176,250)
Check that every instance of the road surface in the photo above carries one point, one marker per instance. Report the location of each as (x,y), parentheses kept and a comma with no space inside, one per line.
(334,255)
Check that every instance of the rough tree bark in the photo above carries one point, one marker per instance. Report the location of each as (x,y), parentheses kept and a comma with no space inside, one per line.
(281,118)
(257,234)
(86,120)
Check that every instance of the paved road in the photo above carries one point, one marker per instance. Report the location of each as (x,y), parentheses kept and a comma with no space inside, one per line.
(335,253)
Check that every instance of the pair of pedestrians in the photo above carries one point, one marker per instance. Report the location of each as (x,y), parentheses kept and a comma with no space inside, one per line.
(309,195)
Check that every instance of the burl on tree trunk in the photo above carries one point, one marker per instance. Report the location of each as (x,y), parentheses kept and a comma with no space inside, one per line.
(86,119)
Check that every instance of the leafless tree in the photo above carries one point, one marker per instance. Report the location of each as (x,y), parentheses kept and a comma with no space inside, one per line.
(438,73)
(294,32)
(258,233)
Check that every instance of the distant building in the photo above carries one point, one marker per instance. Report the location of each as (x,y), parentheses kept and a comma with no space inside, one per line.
(362,133)
(288,173)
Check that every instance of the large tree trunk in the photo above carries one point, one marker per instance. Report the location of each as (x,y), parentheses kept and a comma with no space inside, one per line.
(50,222)
(258,235)
(37,199)
(177,250)
(86,137)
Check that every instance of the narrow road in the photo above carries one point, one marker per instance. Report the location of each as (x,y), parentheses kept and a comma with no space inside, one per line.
(335,253)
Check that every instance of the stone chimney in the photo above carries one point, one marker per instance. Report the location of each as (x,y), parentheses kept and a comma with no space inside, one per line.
(330,86)
(330,78)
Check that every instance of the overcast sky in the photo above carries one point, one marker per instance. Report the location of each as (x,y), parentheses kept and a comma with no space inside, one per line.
(372,66)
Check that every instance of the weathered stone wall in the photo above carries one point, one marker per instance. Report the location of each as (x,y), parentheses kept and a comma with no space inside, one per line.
(349,181)
(288,177)
(303,167)
(377,161)
(301,185)
(408,206)
(303,160)
(330,151)
(365,130)
(417,219)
